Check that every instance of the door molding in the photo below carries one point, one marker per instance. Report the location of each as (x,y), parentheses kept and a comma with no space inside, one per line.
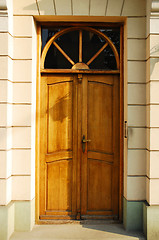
(104,21)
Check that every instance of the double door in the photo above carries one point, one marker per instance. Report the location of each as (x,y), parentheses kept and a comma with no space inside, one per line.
(79,146)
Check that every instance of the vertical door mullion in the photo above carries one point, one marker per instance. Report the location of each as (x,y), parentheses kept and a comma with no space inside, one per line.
(78,169)
(43,143)
(74,166)
(84,154)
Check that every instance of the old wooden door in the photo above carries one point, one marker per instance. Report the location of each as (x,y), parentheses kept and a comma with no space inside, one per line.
(79,147)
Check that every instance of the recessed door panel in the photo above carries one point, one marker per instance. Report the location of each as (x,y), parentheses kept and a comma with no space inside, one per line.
(60,116)
(100,115)
(59,185)
(99,185)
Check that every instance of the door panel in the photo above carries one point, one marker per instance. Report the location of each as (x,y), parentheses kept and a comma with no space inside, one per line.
(100,161)
(76,184)
(60,116)
(99,185)
(100,113)
(58,182)
(59,185)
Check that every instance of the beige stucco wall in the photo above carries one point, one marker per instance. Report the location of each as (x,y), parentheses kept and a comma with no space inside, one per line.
(5,106)
(136,55)
(18,94)
(152,85)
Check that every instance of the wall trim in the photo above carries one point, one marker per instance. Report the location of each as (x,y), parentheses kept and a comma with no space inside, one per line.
(3,5)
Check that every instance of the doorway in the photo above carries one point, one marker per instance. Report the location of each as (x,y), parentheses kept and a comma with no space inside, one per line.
(79,152)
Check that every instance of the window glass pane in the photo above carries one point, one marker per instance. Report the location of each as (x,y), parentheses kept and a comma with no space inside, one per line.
(91,44)
(105,61)
(48,33)
(114,35)
(68,43)
(55,59)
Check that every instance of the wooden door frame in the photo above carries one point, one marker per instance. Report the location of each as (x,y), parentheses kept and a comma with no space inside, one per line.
(83,21)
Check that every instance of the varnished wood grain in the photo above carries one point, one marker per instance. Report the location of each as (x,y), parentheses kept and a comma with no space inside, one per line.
(43,144)
(99,186)
(60,155)
(80,71)
(121,122)
(76,184)
(84,161)
(101,156)
(116,134)
(37,153)
(57,75)
(100,161)
(57,154)
(59,185)
(75,148)
(60,117)
(100,116)
(80,66)
(108,21)
(80,46)
(54,78)
(79,78)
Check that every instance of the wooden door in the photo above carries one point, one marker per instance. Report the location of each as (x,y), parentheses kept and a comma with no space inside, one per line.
(100,160)
(58,147)
(79,179)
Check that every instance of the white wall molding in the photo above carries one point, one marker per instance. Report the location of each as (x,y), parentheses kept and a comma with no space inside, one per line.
(3,8)
(155,7)
(3,4)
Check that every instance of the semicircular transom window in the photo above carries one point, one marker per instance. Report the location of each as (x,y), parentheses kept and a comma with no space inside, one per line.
(80,48)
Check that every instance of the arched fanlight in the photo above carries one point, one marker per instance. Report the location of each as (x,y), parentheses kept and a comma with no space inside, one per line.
(80,64)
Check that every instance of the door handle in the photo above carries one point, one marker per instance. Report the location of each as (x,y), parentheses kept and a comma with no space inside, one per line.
(84,141)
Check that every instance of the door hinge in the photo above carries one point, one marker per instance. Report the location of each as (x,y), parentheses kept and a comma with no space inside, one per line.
(125,129)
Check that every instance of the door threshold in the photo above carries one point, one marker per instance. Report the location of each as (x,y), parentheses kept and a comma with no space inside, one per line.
(82,222)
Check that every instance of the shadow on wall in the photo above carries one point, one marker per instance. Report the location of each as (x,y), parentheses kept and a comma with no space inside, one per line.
(31,7)
(35,6)
(154,52)
(154,61)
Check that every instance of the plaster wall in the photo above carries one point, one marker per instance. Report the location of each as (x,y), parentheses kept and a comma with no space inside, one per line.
(18,94)
(151,208)
(152,102)
(136,77)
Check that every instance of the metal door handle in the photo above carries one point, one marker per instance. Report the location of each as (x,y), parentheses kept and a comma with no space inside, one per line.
(84,140)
